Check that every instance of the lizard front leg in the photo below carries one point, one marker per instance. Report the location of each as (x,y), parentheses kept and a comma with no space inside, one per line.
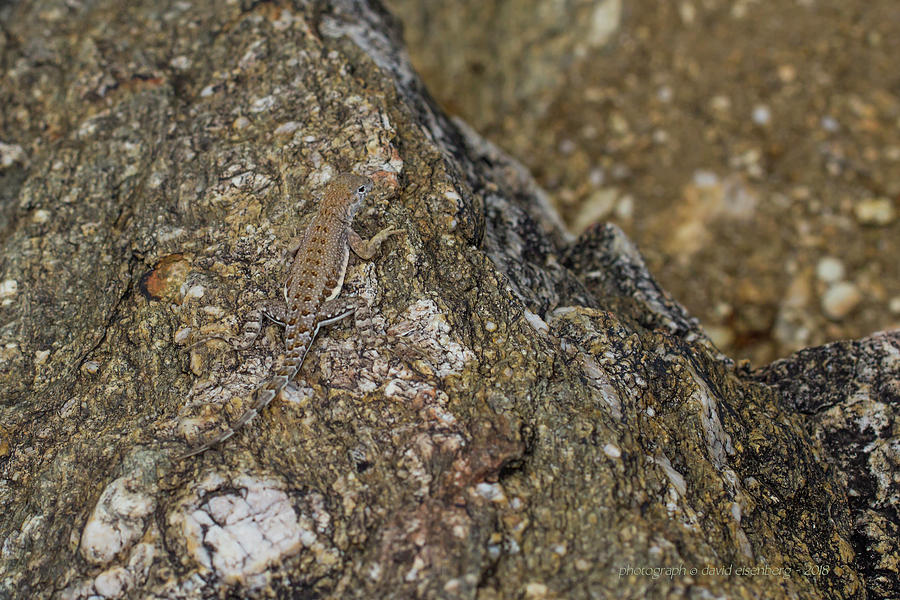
(366,249)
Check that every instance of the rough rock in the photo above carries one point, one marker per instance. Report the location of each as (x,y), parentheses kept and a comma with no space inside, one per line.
(849,394)
(535,418)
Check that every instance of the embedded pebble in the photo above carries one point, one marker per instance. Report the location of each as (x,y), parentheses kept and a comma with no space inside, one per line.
(241,534)
(287,128)
(181,63)
(875,211)
(840,299)
(535,590)
(705,179)
(10,154)
(182,335)
(114,582)
(117,521)
(8,289)
(90,366)
(195,291)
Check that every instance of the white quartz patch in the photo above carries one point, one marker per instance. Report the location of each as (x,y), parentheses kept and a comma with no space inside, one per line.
(536,322)
(718,442)
(240,533)
(425,326)
(117,522)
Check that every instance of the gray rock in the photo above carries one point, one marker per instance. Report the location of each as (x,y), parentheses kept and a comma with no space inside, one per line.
(849,396)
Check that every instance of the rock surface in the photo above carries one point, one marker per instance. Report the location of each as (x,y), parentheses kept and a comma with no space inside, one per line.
(849,393)
(537,418)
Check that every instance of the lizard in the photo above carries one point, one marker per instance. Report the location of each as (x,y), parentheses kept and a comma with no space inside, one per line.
(312,287)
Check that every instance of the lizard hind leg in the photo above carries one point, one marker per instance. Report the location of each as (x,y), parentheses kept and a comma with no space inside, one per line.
(253,327)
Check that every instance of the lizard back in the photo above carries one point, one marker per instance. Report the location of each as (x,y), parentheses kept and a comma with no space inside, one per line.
(316,276)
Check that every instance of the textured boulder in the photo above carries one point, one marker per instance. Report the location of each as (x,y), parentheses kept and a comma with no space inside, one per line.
(532,417)
(849,394)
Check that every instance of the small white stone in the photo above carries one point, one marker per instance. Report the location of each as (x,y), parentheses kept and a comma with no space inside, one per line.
(894,305)
(113,583)
(8,289)
(287,128)
(41,216)
(490,491)
(761,114)
(705,179)
(262,104)
(117,521)
(216,312)
(182,335)
(612,451)
(829,124)
(875,211)
(181,63)
(567,146)
(625,207)
(241,535)
(720,103)
(536,322)
(840,299)
(195,291)
(830,269)
(9,154)
(91,366)
(736,511)
(664,94)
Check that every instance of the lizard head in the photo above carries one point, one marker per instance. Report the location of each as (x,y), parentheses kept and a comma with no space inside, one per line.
(349,185)
(349,189)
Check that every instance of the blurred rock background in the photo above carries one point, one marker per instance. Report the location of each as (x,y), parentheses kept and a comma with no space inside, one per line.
(750,148)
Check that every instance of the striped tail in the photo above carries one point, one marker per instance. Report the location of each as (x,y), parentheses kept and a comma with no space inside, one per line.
(264,394)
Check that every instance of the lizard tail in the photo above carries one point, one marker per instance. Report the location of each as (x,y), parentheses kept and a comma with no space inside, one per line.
(264,394)
(298,347)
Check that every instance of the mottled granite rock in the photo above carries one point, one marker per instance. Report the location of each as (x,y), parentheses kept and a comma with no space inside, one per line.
(849,393)
(536,418)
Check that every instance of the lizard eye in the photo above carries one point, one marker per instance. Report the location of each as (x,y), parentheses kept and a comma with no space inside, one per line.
(361,190)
